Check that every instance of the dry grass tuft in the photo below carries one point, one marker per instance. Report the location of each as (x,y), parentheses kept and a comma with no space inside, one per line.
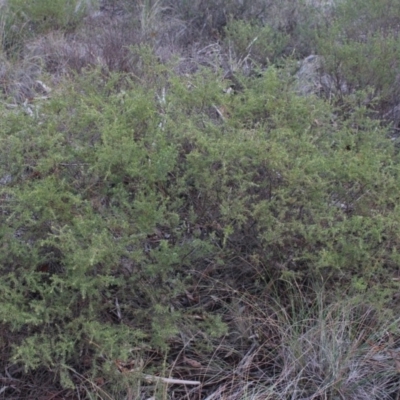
(18,80)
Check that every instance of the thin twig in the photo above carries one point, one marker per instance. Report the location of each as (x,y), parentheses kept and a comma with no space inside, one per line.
(171,380)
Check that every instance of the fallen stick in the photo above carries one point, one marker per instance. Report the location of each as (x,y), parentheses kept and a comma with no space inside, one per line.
(171,380)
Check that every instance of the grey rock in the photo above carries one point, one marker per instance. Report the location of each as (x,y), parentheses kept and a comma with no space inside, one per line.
(308,75)
(311,78)
(5,180)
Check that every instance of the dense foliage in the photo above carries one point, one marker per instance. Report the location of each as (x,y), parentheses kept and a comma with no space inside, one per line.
(140,209)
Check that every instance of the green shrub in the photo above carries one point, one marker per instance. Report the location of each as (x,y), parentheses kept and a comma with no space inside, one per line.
(45,15)
(12,34)
(116,204)
(142,210)
(362,49)
(259,44)
(21,20)
(290,24)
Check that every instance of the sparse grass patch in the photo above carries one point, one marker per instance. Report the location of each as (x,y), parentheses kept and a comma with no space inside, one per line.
(337,350)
